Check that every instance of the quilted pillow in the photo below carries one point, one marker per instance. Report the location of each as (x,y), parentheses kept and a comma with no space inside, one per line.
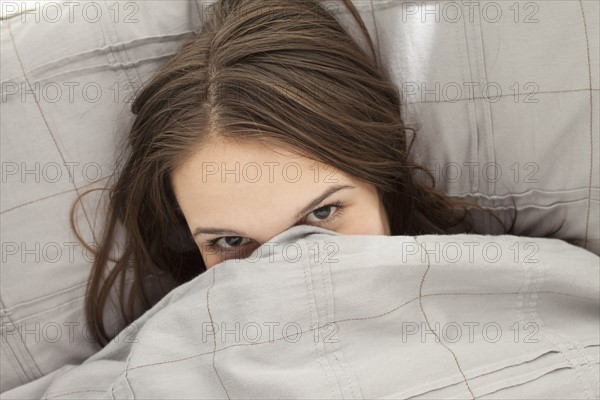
(68,76)
(505,101)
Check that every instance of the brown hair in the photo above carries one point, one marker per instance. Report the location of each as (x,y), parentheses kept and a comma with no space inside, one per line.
(284,72)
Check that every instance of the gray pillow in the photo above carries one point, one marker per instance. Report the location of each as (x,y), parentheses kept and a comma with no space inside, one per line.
(68,77)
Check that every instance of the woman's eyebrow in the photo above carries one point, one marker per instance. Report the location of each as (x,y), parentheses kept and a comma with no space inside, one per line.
(215,231)
(315,202)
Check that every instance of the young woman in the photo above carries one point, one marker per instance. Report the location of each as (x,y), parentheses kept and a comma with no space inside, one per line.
(272,116)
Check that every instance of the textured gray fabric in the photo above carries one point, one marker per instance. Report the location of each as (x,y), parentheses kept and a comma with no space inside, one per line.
(315,314)
(67,83)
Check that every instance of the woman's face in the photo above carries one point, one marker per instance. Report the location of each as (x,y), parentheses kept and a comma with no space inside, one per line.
(236,197)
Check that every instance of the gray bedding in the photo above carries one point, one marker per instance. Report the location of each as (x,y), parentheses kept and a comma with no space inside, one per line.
(314,314)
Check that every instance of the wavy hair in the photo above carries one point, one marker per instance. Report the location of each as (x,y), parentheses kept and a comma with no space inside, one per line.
(279,71)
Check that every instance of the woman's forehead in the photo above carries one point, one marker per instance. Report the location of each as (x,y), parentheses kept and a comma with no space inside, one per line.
(251,164)
(233,182)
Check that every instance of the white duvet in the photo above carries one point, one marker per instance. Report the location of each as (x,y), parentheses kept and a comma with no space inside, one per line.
(314,314)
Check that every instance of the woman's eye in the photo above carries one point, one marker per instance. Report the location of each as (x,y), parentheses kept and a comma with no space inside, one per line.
(228,242)
(321,214)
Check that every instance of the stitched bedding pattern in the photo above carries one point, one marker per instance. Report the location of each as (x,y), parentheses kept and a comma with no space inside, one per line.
(546,150)
(453,316)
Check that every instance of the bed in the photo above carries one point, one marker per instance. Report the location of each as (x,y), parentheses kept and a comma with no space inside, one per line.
(497,115)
